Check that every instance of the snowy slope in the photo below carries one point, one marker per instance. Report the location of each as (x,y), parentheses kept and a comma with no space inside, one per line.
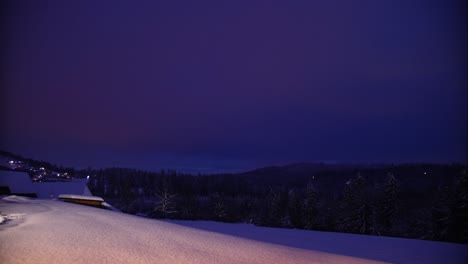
(387,249)
(46,231)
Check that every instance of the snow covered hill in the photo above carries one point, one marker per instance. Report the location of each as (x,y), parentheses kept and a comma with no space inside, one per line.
(387,249)
(47,231)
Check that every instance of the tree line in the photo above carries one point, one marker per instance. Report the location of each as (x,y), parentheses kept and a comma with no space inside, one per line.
(412,201)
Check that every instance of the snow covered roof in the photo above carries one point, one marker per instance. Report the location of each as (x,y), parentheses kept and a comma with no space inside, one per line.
(20,183)
(17,182)
(80,197)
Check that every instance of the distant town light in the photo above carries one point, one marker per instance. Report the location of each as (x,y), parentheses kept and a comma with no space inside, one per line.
(425,173)
(11,162)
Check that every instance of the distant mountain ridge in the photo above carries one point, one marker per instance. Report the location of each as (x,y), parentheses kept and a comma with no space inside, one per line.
(316,167)
(299,168)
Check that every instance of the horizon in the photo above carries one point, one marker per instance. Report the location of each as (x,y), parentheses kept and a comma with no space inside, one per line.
(211,171)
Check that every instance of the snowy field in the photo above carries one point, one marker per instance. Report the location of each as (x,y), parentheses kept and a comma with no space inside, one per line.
(46,231)
(386,249)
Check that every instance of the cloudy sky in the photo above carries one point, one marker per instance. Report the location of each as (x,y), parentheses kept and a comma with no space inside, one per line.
(233,85)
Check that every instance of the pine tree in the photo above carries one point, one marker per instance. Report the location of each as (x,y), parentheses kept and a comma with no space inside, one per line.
(441,214)
(219,208)
(389,204)
(355,209)
(294,209)
(273,215)
(458,224)
(310,207)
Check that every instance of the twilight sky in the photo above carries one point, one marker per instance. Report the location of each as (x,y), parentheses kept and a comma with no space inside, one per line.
(232,85)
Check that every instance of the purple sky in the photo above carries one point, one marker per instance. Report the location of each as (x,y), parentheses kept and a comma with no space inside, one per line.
(233,85)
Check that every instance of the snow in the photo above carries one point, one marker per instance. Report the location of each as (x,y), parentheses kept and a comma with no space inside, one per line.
(45,190)
(387,249)
(48,231)
(80,197)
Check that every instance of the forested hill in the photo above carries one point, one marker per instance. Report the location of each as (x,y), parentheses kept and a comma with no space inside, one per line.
(426,201)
